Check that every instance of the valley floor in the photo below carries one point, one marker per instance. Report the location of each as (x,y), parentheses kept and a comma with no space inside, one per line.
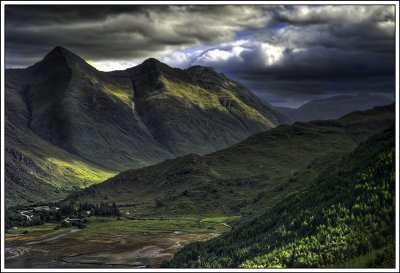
(108,242)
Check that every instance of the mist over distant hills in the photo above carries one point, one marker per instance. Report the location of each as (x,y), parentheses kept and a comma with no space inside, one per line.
(334,107)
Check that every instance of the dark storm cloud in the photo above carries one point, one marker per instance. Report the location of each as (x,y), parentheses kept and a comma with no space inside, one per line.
(121,32)
(284,53)
(64,14)
(316,51)
(322,14)
(318,63)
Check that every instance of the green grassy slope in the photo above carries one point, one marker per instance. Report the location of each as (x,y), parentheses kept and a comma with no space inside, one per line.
(345,219)
(252,174)
(218,83)
(187,116)
(37,171)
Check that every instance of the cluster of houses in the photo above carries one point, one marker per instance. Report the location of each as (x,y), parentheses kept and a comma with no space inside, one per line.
(28,213)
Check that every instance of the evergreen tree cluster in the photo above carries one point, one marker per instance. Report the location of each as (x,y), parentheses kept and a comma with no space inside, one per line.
(59,212)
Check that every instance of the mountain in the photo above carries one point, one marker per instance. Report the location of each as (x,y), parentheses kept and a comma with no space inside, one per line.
(69,125)
(245,177)
(334,107)
(196,110)
(346,218)
(35,169)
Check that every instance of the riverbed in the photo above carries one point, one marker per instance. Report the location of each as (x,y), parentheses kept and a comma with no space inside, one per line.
(118,245)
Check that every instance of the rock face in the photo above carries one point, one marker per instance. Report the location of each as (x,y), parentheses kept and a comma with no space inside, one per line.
(124,119)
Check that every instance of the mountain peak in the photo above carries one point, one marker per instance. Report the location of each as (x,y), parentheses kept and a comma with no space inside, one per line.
(60,51)
(60,58)
(151,61)
(154,64)
(151,65)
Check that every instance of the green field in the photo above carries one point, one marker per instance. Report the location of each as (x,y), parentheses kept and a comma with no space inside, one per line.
(109,227)
(40,229)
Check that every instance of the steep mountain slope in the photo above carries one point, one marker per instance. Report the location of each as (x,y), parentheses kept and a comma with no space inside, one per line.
(345,219)
(35,169)
(77,126)
(334,107)
(196,110)
(269,164)
(87,113)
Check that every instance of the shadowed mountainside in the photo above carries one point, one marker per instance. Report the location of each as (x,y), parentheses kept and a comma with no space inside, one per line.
(69,125)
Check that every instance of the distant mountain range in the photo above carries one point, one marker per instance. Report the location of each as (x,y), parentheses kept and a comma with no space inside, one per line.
(69,125)
(334,107)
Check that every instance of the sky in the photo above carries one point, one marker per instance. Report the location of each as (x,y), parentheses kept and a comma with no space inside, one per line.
(286,54)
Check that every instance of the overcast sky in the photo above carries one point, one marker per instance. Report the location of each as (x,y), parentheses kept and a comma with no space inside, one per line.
(286,54)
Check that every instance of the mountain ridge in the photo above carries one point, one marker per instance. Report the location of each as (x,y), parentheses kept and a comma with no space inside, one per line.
(124,119)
